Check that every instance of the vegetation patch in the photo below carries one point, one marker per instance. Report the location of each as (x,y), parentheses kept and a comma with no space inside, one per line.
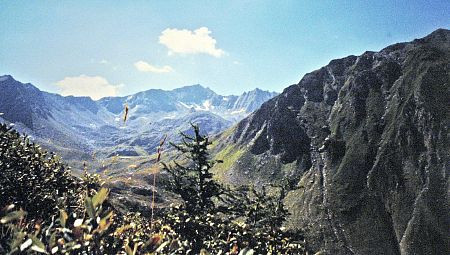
(229,155)
(80,219)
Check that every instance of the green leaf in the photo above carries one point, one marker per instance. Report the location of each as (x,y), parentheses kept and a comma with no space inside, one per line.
(55,249)
(52,240)
(37,245)
(17,240)
(128,250)
(247,251)
(135,248)
(105,222)
(13,216)
(162,246)
(26,244)
(204,252)
(38,249)
(100,197)
(89,207)
(63,217)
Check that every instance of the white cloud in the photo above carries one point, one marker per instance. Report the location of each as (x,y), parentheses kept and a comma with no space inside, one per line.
(95,87)
(104,61)
(190,42)
(146,67)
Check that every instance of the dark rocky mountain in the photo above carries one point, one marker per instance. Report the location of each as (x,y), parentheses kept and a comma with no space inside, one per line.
(57,122)
(366,140)
(15,104)
(77,127)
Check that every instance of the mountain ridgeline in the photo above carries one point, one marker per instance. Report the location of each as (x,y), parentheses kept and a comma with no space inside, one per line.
(366,140)
(80,126)
(193,97)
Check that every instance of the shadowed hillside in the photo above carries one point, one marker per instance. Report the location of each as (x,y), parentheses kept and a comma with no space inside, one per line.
(366,138)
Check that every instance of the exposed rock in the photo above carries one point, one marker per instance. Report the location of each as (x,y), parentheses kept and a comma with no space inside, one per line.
(367,138)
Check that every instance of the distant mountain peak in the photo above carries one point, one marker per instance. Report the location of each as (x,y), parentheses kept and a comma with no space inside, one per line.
(441,32)
(193,88)
(6,77)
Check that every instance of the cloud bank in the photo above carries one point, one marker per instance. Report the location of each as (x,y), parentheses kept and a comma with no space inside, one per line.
(143,66)
(95,87)
(190,42)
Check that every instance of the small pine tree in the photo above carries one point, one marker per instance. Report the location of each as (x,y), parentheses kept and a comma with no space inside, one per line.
(219,219)
(262,209)
(193,181)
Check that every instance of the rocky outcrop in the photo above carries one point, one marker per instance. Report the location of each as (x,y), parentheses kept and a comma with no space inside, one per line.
(367,139)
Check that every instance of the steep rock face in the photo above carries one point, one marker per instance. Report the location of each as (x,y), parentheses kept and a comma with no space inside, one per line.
(252,100)
(367,138)
(21,102)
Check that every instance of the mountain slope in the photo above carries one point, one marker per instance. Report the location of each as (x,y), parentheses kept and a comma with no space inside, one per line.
(367,140)
(77,127)
(16,104)
(52,120)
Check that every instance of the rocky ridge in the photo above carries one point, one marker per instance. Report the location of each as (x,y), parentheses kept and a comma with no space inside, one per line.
(366,139)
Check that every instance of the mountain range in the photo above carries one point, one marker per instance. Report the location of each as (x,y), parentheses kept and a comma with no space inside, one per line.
(365,143)
(77,127)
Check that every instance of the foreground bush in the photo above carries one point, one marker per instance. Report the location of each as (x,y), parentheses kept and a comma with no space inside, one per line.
(47,210)
(33,179)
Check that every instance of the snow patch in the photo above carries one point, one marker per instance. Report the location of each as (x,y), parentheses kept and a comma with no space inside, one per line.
(136,107)
(242,110)
(185,105)
(208,106)
(196,106)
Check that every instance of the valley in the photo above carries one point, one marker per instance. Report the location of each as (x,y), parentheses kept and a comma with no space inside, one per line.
(363,143)
(79,128)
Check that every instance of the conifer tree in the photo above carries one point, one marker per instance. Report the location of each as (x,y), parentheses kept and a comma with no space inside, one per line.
(193,181)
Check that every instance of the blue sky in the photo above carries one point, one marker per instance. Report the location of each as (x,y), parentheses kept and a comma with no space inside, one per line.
(100,48)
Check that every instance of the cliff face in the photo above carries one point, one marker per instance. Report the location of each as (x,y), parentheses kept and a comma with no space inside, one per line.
(367,139)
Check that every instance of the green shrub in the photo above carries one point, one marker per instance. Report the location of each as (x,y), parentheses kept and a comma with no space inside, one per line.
(47,210)
(98,230)
(33,179)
